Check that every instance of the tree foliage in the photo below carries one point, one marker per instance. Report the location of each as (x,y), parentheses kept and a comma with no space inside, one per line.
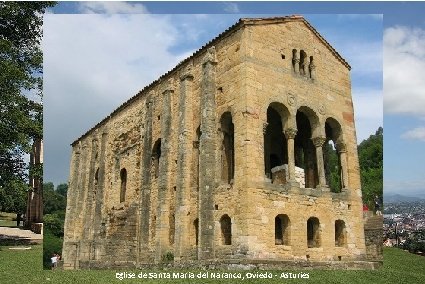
(371,166)
(21,108)
(332,171)
(53,201)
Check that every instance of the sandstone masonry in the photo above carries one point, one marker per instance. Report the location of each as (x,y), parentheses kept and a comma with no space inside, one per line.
(221,159)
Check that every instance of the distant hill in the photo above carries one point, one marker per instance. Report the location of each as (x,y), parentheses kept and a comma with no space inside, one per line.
(391,198)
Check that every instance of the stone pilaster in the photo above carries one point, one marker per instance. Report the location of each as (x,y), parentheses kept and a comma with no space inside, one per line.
(145,193)
(72,194)
(342,151)
(68,248)
(290,134)
(207,147)
(162,224)
(81,191)
(89,208)
(184,170)
(318,143)
(99,196)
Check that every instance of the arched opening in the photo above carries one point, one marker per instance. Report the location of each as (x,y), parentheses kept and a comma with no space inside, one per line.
(227,148)
(96,177)
(172,230)
(340,233)
(331,158)
(156,155)
(305,152)
(282,230)
(275,144)
(123,176)
(313,232)
(226,230)
(196,227)
(196,154)
(96,181)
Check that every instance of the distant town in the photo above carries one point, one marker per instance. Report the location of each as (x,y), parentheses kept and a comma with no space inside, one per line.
(404,225)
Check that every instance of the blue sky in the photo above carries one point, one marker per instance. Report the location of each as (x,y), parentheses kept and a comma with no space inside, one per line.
(84,52)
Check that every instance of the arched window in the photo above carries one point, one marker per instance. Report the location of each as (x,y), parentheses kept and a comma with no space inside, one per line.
(196,154)
(305,151)
(331,158)
(313,233)
(226,230)
(275,143)
(196,227)
(156,155)
(340,233)
(96,177)
(227,148)
(123,176)
(282,229)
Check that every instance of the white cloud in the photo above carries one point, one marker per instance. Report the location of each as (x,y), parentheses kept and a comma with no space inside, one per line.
(112,7)
(92,64)
(231,7)
(417,133)
(404,61)
(368,111)
(367,56)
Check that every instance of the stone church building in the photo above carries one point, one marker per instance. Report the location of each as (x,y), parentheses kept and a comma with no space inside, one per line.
(222,159)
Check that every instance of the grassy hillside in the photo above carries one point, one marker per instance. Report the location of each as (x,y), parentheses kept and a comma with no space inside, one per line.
(25,265)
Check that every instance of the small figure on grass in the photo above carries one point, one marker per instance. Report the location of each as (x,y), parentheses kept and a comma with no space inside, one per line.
(55,259)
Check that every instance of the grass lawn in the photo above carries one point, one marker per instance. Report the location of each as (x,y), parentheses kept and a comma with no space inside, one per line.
(25,267)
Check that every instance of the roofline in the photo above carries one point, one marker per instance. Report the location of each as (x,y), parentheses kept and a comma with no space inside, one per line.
(229,31)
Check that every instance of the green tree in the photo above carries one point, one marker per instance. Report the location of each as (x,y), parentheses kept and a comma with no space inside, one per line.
(52,200)
(371,166)
(332,170)
(62,189)
(21,109)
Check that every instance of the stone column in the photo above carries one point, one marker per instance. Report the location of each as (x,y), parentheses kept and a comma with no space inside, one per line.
(290,134)
(184,170)
(266,171)
(342,151)
(163,222)
(296,62)
(207,154)
(318,143)
(145,192)
(312,69)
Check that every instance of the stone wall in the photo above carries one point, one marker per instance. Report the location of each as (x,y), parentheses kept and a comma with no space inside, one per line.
(181,168)
(374,237)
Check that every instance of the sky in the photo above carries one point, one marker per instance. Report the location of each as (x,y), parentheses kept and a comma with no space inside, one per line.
(99,54)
